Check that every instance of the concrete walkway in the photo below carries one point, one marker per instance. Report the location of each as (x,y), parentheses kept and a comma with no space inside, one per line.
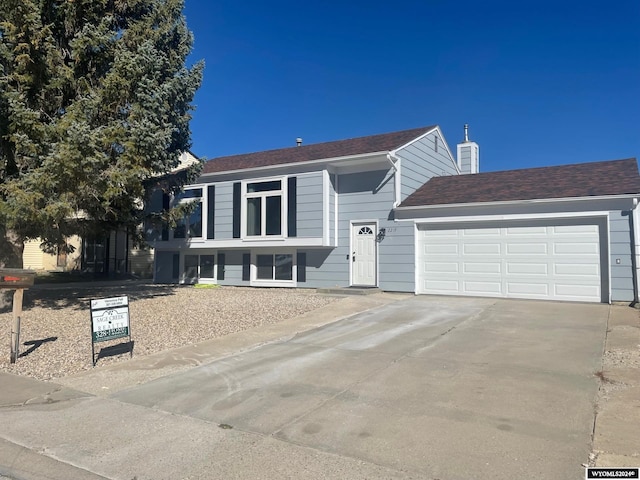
(616,440)
(411,388)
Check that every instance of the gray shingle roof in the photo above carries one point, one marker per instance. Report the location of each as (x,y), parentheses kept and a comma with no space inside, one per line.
(353,146)
(615,177)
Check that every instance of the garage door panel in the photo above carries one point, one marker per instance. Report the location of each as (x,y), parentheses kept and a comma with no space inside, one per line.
(576,248)
(527,268)
(528,289)
(442,286)
(481,248)
(556,262)
(525,231)
(441,267)
(480,232)
(528,248)
(586,269)
(483,288)
(575,229)
(444,249)
(576,291)
(482,268)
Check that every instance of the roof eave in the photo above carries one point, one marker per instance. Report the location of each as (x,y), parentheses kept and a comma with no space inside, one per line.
(343,159)
(518,202)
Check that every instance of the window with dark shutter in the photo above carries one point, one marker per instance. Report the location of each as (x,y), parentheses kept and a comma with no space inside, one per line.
(292,211)
(302,267)
(211,211)
(237,198)
(246,267)
(222,260)
(175,270)
(165,206)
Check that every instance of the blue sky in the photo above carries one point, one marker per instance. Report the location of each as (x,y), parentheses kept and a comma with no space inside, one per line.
(539,82)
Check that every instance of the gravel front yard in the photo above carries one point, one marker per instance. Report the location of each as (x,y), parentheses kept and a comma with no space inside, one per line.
(55,335)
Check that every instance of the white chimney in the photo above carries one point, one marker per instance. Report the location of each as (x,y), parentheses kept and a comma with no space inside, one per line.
(468,154)
(298,141)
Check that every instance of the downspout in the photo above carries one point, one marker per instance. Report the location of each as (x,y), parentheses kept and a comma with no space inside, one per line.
(636,249)
(391,156)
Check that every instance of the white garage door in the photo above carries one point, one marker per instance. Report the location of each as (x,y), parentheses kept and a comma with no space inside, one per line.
(553,262)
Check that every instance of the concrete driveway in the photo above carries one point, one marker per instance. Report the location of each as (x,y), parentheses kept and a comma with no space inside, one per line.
(427,387)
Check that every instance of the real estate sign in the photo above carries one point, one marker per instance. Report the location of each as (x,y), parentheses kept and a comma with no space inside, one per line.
(109,320)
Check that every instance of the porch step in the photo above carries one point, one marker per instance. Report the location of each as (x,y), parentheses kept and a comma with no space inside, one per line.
(349,290)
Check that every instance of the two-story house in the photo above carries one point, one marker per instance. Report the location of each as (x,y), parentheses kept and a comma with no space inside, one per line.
(398,211)
(307,216)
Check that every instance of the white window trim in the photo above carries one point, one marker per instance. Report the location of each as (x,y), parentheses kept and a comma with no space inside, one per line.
(209,280)
(255,282)
(283,208)
(202,200)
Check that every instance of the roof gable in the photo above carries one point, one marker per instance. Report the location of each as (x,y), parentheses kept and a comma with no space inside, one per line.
(616,177)
(306,153)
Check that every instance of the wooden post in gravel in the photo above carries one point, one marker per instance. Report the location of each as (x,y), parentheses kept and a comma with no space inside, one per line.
(18,295)
(16,279)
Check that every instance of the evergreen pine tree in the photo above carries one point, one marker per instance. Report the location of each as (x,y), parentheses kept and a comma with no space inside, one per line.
(95,100)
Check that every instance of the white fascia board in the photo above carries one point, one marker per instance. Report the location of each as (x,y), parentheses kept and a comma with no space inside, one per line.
(517,202)
(326,221)
(362,156)
(444,142)
(244,244)
(417,138)
(489,218)
(636,247)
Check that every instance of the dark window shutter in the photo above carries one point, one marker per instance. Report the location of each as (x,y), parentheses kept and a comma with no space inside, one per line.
(237,198)
(222,259)
(165,206)
(292,210)
(302,267)
(175,273)
(246,266)
(211,211)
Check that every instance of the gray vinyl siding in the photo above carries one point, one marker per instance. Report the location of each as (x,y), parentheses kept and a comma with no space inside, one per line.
(420,162)
(309,205)
(620,239)
(233,267)
(396,257)
(164,267)
(366,196)
(224,211)
(332,208)
(465,159)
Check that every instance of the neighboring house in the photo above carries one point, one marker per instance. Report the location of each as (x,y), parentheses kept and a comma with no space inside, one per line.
(392,211)
(110,254)
(35,259)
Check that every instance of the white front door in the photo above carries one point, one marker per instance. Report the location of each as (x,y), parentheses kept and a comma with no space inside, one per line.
(363,254)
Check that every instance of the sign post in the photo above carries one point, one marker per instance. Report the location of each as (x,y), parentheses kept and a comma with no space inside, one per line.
(109,320)
(19,280)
